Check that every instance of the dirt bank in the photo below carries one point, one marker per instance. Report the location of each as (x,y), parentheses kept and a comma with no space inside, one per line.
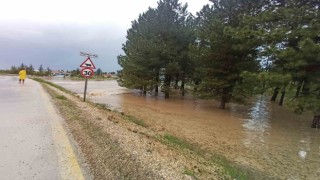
(117,148)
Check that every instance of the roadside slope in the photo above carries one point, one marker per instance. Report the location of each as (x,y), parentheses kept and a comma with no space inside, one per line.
(116,148)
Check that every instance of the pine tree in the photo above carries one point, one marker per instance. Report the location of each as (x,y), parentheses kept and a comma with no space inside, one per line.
(30,69)
(292,43)
(156,48)
(22,66)
(41,69)
(48,71)
(98,72)
(14,70)
(228,45)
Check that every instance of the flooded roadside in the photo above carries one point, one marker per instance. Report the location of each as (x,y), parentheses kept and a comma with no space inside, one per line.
(261,135)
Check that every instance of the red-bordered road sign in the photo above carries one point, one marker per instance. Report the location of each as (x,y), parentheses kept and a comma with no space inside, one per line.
(88,64)
(87,72)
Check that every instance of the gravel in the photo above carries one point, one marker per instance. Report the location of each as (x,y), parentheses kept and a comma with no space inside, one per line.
(115,148)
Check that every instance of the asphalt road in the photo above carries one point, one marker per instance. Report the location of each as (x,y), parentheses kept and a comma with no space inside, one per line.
(33,141)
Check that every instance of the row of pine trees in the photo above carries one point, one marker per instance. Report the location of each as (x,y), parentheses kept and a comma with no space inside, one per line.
(47,72)
(30,70)
(230,51)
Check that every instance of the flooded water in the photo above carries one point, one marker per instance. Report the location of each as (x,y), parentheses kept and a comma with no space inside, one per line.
(260,135)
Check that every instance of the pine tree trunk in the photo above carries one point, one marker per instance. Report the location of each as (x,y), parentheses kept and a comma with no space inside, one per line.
(224,99)
(167,83)
(275,94)
(156,90)
(298,89)
(156,87)
(182,88)
(144,90)
(305,89)
(222,104)
(196,83)
(316,122)
(283,93)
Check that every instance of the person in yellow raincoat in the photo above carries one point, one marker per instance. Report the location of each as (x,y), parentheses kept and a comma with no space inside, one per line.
(22,75)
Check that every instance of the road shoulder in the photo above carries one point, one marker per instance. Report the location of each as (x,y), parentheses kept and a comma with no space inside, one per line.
(117,149)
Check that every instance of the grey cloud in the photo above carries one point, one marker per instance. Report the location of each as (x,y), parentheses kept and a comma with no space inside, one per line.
(58,46)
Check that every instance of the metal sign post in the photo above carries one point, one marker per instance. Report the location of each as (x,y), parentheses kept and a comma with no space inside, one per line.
(87,70)
(85,90)
(86,73)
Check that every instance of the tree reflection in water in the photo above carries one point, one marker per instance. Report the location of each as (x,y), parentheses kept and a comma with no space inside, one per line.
(258,122)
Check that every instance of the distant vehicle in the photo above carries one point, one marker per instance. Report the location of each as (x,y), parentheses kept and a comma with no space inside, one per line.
(59,75)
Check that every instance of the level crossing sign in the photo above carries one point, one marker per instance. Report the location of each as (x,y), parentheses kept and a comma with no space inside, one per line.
(87,70)
(87,64)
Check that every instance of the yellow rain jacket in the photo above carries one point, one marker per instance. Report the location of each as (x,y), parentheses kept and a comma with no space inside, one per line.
(22,74)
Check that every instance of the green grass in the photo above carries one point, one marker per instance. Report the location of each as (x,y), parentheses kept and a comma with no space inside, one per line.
(136,120)
(61,97)
(174,141)
(190,173)
(229,169)
(101,106)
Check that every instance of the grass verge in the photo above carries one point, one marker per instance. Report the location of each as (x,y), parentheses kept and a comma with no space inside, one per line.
(179,143)
(229,169)
(190,173)
(135,120)
(104,154)
(61,97)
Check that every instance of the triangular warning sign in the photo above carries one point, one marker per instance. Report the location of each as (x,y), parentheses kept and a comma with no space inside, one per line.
(88,64)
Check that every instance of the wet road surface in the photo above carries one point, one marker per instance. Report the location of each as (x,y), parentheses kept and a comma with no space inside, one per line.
(33,142)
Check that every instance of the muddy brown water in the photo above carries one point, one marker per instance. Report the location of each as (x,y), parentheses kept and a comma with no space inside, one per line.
(260,135)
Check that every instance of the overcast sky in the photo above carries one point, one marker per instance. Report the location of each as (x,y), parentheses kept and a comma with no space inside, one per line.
(53,32)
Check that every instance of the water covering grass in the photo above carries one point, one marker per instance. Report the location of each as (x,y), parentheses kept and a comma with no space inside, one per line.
(53,85)
(229,168)
(135,120)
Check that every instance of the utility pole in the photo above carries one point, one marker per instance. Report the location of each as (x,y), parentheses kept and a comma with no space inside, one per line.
(85,67)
